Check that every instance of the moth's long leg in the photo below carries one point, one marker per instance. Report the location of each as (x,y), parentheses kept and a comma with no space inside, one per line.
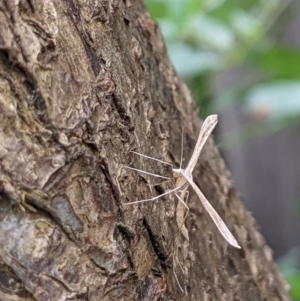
(147,173)
(181,215)
(161,161)
(176,278)
(160,183)
(154,198)
(182,201)
(180,218)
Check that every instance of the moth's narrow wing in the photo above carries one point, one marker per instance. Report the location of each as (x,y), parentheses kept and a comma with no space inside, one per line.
(206,129)
(215,216)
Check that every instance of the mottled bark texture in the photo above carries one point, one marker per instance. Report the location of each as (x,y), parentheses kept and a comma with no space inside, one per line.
(81,84)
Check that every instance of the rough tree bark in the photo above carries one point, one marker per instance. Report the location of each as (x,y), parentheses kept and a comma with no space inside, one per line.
(82,83)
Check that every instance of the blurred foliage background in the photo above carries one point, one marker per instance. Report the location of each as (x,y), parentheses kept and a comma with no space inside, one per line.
(212,39)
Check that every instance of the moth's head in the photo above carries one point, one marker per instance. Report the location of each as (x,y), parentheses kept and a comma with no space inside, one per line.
(177,172)
(179,178)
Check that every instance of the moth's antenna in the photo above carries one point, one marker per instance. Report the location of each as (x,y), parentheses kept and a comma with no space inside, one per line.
(178,283)
(181,155)
(151,158)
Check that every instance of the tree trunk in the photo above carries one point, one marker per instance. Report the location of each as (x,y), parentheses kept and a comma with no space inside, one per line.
(83,83)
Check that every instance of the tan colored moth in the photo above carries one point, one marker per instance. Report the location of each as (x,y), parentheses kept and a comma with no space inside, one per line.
(184,178)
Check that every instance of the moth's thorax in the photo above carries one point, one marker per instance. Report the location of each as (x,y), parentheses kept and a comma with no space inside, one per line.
(179,175)
(177,172)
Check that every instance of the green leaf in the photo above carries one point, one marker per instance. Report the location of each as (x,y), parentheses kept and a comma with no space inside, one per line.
(289,267)
(158,9)
(294,281)
(281,62)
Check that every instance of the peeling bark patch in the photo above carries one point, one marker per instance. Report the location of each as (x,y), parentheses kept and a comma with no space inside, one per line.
(56,176)
(108,262)
(51,267)
(66,214)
